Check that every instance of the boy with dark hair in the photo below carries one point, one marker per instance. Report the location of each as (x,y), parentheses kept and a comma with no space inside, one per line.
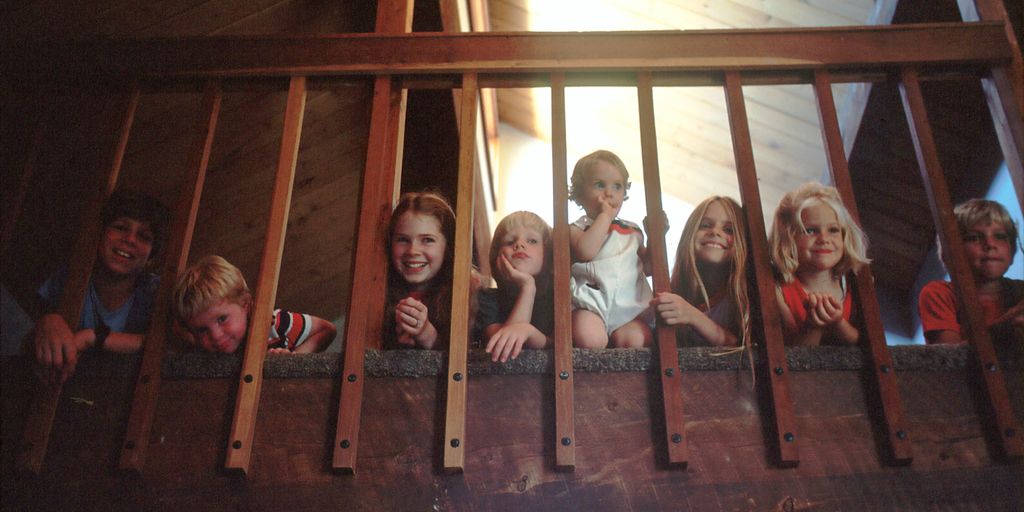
(119,298)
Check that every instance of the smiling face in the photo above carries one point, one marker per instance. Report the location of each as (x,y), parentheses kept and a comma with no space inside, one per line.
(417,248)
(988,250)
(524,247)
(220,328)
(604,183)
(125,247)
(714,239)
(820,246)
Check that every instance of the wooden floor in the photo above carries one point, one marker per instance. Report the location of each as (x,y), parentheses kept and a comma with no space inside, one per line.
(510,457)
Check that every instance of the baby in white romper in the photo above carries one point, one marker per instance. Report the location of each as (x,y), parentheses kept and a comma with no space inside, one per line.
(610,293)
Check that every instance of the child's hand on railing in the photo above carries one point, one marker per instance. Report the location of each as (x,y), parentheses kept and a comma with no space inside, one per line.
(508,342)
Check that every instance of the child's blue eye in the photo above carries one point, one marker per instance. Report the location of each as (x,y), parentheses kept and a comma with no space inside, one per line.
(533,241)
(221,319)
(972,238)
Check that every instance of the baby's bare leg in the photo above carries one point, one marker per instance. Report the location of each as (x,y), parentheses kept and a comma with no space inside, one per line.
(588,330)
(634,334)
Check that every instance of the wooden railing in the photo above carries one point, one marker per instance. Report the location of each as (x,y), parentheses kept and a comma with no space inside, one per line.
(469,62)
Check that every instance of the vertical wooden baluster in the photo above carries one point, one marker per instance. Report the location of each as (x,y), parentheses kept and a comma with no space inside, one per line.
(960,272)
(778,370)
(381,184)
(565,422)
(881,360)
(455,407)
(363,322)
(41,411)
(247,402)
(147,384)
(671,375)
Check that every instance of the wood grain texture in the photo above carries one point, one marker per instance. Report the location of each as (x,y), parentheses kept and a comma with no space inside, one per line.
(754,50)
(455,443)
(656,226)
(509,468)
(963,280)
(147,384)
(777,370)
(561,338)
(380,188)
(251,378)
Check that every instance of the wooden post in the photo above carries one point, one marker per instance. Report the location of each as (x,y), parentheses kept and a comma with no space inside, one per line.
(561,338)
(960,272)
(381,184)
(455,407)
(39,420)
(147,384)
(247,402)
(881,360)
(778,370)
(668,355)
(1004,91)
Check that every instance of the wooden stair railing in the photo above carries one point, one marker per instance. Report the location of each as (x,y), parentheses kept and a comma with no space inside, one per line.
(39,419)
(553,55)
(243,425)
(671,374)
(1009,434)
(147,383)
(774,351)
(874,338)
(565,423)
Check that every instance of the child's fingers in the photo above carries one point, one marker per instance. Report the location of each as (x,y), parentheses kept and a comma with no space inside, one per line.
(510,346)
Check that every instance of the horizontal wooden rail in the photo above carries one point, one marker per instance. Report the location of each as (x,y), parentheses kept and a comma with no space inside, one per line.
(874,47)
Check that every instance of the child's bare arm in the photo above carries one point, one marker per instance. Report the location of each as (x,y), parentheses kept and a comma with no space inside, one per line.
(675,310)
(508,340)
(799,335)
(320,336)
(57,348)
(412,321)
(586,244)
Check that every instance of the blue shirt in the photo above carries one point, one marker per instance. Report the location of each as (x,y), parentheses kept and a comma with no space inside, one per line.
(131,317)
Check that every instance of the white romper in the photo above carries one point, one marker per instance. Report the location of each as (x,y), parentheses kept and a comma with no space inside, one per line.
(613,284)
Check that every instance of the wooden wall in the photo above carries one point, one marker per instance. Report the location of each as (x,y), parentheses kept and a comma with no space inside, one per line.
(316,267)
(620,462)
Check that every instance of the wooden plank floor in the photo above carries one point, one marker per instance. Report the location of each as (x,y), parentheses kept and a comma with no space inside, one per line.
(510,458)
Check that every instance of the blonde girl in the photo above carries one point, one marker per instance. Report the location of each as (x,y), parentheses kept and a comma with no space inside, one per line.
(709,285)
(610,294)
(815,243)
(420,250)
(519,312)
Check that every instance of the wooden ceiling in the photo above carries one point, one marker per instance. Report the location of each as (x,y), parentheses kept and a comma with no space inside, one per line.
(694,144)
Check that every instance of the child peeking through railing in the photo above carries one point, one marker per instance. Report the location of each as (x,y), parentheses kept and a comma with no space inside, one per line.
(610,294)
(814,244)
(213,303)
(519,312)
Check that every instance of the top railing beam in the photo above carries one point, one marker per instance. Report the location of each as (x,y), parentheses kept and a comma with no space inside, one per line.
(871,47)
